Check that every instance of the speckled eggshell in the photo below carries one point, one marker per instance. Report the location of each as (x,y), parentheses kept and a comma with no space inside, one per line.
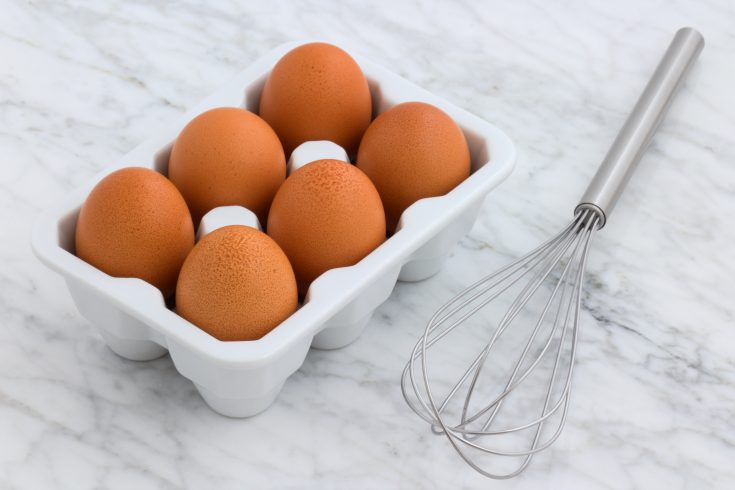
(236,284)
(135,223)
(227,156)
(412,151)
(327,214)
(317,92)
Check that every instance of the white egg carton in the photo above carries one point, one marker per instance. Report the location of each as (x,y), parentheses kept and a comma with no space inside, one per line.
(240,379)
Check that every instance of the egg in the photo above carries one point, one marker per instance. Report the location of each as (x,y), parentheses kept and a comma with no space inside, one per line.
(236,284)
(227,156)
(412,151)
(135,223)
(317,92)
(327,214)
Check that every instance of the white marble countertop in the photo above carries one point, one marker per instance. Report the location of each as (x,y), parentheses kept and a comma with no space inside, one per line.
(654,390)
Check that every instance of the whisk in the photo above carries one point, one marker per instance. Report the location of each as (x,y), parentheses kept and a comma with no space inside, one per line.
(547,305)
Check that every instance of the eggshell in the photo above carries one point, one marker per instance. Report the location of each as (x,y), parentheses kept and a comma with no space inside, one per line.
(236,284)
(412,151)
(317,92)
(227,156)
(135,223)
(327,214)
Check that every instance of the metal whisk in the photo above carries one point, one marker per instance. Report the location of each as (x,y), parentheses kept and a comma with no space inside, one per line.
(547,305)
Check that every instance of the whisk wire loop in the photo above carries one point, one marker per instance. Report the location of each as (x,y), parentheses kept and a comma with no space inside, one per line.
(566,251)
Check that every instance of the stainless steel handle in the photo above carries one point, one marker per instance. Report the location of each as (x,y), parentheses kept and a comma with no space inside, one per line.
(615,171)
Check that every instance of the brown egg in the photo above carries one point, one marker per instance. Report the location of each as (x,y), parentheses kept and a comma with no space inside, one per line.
(236,284)
(411,151)
(135,223)
(317,92)
(327,214)
(227,156)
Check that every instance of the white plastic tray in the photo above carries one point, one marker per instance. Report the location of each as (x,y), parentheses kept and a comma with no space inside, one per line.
(240,379)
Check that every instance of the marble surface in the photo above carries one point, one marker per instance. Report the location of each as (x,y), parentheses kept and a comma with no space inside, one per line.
(654,391)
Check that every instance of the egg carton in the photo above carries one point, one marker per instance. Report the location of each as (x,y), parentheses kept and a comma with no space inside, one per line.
(240,379)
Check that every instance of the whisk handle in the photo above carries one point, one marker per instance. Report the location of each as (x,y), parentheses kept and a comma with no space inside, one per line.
(633,138)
